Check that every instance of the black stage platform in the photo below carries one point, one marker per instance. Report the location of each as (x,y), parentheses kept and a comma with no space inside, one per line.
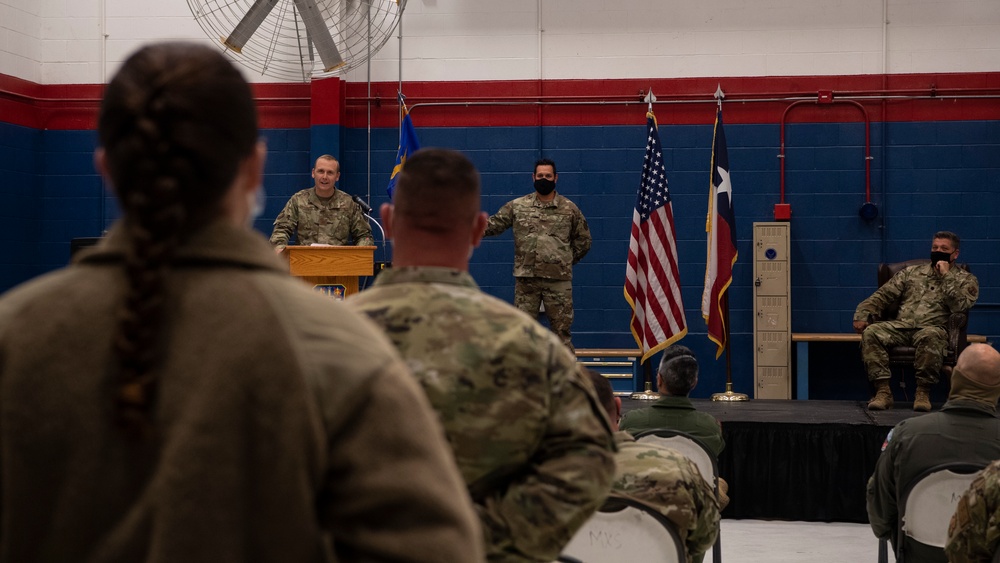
(798,460)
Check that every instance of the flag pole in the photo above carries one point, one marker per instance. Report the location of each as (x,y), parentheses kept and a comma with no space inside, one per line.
(728,395)
(648,393)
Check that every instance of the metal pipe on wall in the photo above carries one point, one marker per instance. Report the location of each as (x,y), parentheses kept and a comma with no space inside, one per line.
(541,77)
(821,100)
(368,63)
(103,25)
(884,149)
(629,99)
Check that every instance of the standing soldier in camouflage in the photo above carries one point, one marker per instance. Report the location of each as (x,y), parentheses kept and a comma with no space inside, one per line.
(926,296)
(530,439)
(322,214)
(662,477)
(550,236)
(974,532)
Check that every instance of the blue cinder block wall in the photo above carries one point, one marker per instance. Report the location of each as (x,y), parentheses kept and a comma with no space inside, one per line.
(926,176)
(20,149)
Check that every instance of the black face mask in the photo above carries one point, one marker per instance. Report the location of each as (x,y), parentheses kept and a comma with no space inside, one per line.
(937,256)
(544,186)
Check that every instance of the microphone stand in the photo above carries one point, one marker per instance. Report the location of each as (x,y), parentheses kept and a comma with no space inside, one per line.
(366,211)
(380,230)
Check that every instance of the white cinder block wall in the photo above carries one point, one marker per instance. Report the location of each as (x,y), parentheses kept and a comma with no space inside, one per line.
(20,38)
(83,41)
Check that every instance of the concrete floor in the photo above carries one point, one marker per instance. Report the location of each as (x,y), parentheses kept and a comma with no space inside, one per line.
(773,541)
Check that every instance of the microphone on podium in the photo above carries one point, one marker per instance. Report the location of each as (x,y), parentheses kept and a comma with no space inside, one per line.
(365,208)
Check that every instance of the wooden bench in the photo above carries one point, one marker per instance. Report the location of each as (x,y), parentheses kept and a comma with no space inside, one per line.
(620,365)
(802,340)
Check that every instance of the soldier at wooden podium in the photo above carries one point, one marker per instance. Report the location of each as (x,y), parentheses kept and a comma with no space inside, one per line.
(322,214)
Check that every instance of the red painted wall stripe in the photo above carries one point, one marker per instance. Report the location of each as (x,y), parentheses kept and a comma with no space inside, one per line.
(571,102)
(75,106)
(579,102)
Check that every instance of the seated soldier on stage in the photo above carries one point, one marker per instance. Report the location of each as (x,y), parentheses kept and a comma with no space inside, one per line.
(662,477)
(926,296)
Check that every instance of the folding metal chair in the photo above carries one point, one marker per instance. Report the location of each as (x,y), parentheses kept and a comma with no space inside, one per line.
(698,452)
(625,529)
(926,505)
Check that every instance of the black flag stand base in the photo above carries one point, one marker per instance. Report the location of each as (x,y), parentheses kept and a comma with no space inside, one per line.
(729,395)
(647,394)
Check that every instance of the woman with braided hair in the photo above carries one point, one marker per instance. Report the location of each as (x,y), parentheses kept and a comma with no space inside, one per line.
(174,395)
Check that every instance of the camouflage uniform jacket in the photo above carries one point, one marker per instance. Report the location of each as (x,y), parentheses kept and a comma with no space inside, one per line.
(314,220)
(664,478)
(924,297)
(974,532)
(549,237)
(676,413)
(963,431)
(531,441)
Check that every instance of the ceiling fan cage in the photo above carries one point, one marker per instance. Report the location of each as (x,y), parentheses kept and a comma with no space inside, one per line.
(297,40)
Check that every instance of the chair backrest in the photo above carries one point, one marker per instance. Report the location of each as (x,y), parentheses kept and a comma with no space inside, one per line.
(928,502)
(625,529)
(699,453)
(887,270)
(689,446)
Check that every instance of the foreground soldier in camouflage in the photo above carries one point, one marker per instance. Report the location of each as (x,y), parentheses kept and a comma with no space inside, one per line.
(974,532)
(550,236)
(322,214)
(663,478)
(531,441)
(926,295)
(966,430)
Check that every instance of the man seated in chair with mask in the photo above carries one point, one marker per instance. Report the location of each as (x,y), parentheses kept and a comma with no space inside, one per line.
(926,295)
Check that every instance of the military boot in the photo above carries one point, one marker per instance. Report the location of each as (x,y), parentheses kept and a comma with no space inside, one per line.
(922,399)
(883,397)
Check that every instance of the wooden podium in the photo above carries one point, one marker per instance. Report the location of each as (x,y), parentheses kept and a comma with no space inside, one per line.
(331,269)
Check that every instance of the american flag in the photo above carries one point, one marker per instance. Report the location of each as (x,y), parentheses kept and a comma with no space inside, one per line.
(721,228)
(652,282)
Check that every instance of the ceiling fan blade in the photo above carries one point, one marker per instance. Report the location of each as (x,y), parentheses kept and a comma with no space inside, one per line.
(319,33)
(249,24)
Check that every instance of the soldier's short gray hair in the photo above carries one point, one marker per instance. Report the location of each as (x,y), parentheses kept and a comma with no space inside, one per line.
(678,371)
